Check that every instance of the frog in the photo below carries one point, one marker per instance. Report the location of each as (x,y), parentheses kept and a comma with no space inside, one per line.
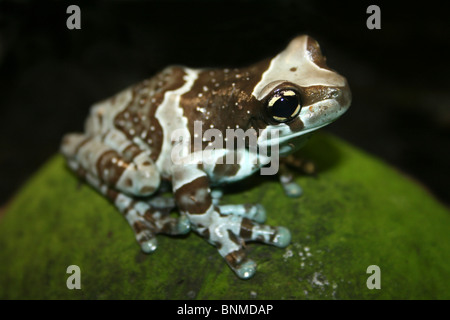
(126,151)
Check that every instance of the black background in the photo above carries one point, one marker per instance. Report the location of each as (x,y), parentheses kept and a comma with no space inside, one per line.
(399,75)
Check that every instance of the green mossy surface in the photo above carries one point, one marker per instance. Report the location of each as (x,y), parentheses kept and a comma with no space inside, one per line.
(358,212)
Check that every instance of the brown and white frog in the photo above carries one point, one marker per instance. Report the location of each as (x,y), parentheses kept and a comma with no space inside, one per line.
(127,151)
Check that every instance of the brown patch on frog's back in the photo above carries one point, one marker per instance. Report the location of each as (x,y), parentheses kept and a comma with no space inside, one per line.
(222,99)
(108,161)
(138,118)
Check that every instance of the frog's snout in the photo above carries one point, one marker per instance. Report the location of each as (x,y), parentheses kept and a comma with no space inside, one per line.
(329,104)
(344,97)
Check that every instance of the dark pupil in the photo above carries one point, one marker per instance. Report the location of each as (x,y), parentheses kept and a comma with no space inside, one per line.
(285,106)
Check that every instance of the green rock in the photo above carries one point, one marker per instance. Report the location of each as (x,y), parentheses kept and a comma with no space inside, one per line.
(358,212)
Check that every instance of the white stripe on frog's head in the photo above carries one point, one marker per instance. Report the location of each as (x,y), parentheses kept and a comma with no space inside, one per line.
(302,64)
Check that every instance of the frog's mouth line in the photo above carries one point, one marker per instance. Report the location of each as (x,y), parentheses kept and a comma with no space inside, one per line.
(299,133)
(280,141)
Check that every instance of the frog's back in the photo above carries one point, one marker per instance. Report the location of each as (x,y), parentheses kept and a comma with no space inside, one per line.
(142,113)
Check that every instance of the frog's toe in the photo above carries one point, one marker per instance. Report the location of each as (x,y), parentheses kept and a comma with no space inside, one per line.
(282,238)
(184,225)
(260,215)
(148,246)
(246,270)
(217,194)
(276,236)
(292,190)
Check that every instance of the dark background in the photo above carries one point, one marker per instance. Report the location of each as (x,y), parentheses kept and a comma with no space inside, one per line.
(399,75)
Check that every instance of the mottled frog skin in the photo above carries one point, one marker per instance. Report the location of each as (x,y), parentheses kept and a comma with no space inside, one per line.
(126,149)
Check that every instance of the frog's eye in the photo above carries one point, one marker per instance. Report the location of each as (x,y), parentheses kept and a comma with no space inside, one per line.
(284,105)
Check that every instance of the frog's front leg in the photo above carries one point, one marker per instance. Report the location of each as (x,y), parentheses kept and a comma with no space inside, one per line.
(228,233)
(290,187)
(286,175)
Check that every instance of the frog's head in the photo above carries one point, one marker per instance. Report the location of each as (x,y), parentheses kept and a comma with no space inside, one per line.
(300,94)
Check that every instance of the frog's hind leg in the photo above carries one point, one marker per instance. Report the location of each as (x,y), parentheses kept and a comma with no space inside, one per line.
(146,220)
(129,170)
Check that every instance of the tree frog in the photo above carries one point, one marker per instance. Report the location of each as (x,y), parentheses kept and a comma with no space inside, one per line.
(127,149)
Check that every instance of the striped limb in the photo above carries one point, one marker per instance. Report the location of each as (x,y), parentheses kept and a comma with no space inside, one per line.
(129,170)
(228,232)
(286,176)
(290,187)
(254,212)
(108,172)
